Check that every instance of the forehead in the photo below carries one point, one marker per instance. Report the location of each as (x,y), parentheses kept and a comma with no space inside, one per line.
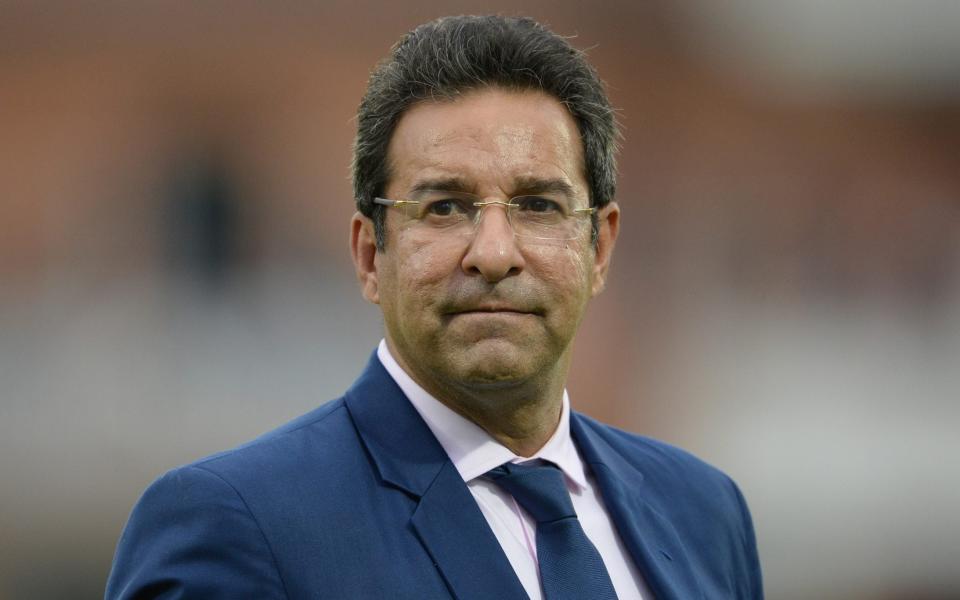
(491,138)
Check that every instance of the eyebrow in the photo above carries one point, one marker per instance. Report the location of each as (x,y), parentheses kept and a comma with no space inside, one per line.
(446,184)
(522,186)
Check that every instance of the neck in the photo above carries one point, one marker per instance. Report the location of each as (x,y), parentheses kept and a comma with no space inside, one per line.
(521,415)
(522,423)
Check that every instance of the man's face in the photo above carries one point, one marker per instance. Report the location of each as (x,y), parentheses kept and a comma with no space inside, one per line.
(487,310)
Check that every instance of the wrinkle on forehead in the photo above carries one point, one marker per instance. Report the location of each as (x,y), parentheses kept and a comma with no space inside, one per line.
(502,141)
(506,140)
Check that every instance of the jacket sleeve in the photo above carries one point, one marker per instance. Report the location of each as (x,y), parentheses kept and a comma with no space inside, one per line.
(192,536)
(751,581)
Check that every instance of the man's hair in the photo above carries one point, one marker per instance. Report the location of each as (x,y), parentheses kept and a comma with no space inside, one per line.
(442,59)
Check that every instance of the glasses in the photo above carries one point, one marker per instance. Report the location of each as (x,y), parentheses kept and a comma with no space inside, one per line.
(544,217)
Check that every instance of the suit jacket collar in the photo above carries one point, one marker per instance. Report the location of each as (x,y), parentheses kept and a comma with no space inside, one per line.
(635,509)
(446,518)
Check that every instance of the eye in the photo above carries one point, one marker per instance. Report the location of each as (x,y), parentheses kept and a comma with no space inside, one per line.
(441,208)
(539,204)
(444,207)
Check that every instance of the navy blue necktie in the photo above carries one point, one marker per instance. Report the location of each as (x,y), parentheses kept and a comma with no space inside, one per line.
(570,566)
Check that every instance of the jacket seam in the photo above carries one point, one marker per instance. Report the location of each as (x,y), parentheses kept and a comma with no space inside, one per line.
(266,542)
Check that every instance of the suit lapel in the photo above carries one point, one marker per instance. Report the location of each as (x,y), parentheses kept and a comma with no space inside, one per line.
(460,541)
(648,535)
(446,520)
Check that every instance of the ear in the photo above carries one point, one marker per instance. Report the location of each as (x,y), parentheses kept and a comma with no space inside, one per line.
(609,223)
(363,248)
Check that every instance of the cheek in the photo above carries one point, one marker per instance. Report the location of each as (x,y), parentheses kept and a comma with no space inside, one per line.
(580,264)
(423,268)
(566,268)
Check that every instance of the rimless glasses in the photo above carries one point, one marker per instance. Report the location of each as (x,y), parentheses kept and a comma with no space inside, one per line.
(546,217)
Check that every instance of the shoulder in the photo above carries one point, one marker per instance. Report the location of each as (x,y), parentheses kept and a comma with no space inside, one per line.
(652,457)
(672,476)
(702,503)
(199,525)
(319,435)
(672,480)
(305,457)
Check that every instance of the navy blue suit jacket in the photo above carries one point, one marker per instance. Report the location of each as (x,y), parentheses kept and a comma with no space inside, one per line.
(357,499)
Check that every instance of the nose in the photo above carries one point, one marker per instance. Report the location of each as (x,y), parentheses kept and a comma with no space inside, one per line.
(493,251)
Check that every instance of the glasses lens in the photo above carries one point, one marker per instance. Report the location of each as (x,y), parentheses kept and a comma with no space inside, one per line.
(545,217)
(444,212)
(536,218)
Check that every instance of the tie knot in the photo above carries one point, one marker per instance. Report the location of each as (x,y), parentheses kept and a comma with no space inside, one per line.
(539,489)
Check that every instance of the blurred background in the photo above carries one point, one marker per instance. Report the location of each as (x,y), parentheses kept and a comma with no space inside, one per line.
(785,298)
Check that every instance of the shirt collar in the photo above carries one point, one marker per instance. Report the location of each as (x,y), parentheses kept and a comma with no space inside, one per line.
(472,450)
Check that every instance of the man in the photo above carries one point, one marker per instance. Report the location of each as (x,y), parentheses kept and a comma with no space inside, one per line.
(484,177)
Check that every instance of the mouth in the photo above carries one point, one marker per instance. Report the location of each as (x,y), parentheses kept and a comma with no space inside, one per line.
(491,309)
(495,310)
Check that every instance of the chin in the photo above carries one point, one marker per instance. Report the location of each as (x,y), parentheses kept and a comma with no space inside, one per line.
(499,371)
(492,384)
